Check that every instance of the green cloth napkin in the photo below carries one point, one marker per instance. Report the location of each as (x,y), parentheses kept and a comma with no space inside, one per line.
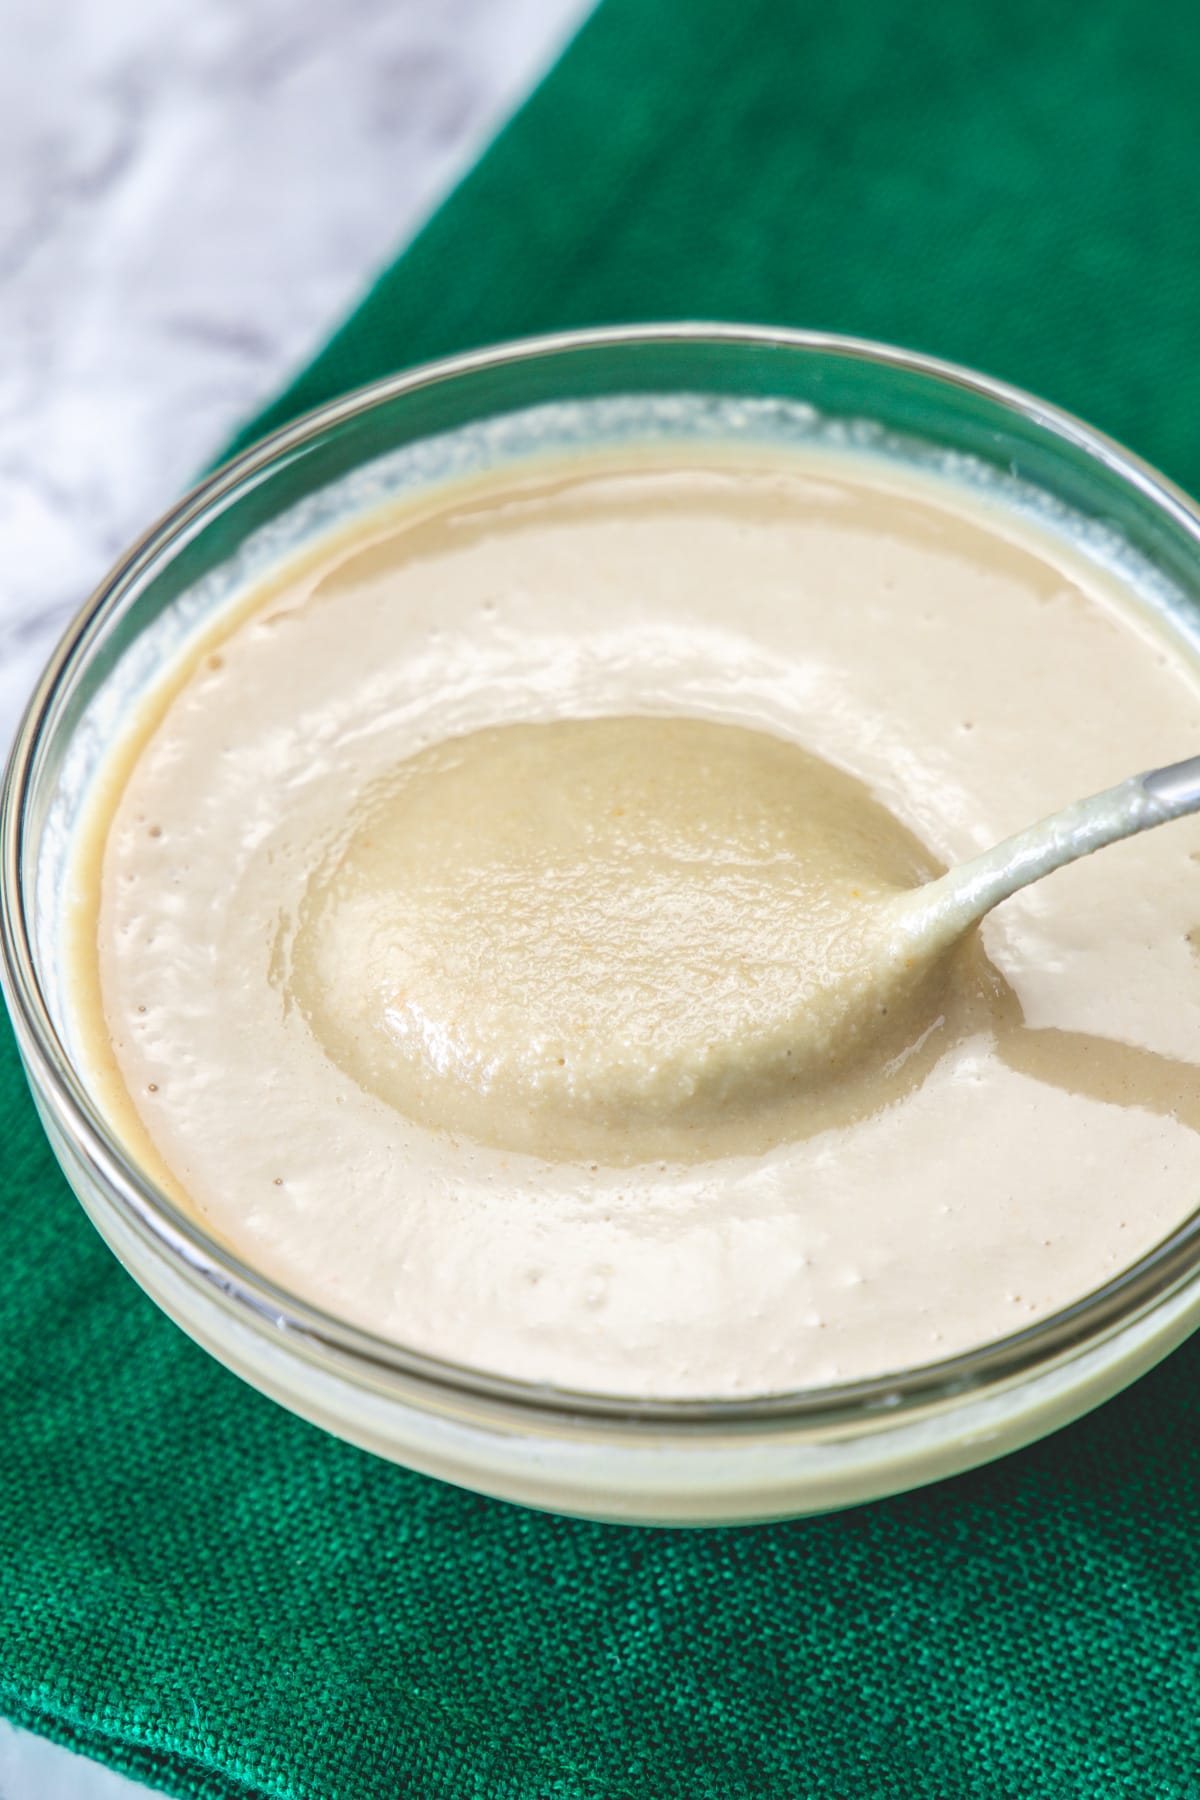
(196,1586)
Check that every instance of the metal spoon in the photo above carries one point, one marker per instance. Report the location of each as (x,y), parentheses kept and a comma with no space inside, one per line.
(931,918)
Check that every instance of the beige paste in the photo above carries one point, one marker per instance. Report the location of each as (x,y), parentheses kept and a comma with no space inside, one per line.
(466,928)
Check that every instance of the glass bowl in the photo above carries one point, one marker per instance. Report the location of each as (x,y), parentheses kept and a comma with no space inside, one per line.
(681,1462)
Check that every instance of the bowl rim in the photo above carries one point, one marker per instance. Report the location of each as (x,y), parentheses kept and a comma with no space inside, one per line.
(59,1088)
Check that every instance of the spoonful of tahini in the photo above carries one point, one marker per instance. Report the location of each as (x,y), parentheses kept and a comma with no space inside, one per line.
(620,936)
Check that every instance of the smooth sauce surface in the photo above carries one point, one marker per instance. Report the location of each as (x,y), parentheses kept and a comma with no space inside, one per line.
(337,1001)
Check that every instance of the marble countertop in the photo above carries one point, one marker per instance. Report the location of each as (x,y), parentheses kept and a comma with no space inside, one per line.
(191,195)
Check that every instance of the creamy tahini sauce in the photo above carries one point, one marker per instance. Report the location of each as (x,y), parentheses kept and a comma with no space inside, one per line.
(457,933)
(625,937)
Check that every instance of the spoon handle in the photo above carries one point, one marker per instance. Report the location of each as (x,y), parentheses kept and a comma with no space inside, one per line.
(945,908)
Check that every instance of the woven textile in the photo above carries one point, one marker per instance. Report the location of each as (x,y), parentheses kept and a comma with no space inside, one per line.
(198,1587)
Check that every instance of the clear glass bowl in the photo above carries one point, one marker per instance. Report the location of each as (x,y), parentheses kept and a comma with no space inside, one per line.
(683,1462)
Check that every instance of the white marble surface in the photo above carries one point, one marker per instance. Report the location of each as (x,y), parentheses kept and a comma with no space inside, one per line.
(191,194)
(31,1769)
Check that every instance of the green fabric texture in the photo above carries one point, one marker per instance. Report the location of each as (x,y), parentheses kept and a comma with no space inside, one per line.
(201,1589)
